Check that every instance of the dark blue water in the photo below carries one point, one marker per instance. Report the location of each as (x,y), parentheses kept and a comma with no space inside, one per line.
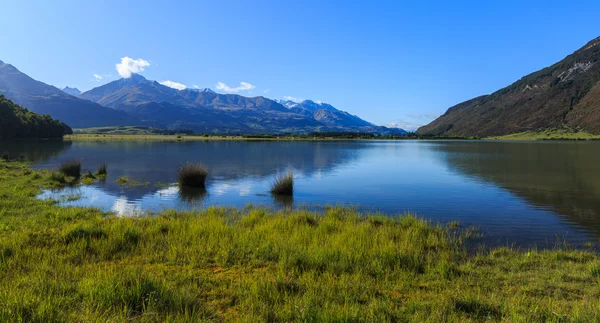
(515,192)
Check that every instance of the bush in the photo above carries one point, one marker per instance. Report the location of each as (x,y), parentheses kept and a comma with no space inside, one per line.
(284,185)
(192,175)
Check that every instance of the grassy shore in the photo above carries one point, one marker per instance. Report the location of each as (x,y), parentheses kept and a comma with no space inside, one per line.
(551,134)
(80,264)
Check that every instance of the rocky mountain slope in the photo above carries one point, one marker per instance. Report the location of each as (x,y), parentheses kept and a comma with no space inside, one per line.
(566,94)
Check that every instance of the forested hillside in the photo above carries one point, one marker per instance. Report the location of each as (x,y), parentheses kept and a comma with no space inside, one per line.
(18,122)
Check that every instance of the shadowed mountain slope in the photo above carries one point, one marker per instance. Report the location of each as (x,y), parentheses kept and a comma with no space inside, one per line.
(566,94)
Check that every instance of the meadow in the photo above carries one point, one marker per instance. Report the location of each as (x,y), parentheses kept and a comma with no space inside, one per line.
(253,264)
(549,134)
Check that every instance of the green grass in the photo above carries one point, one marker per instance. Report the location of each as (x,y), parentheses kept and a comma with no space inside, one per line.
(80,264)
(127,182)
(192,175)
(549,134)
(283,185)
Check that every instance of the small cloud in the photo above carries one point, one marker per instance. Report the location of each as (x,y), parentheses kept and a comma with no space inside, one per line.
(318,102)
(174,85)
(196,86)
(100,77)
(267,91)
(244,86)
(129,66)
(291,98)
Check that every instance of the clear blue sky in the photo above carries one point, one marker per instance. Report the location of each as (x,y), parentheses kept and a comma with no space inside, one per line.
(403,61)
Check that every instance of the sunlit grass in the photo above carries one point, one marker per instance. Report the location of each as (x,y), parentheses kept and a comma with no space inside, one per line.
(255,264)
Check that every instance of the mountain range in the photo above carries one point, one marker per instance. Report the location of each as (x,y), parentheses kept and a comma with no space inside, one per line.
(564,95)
(138,101)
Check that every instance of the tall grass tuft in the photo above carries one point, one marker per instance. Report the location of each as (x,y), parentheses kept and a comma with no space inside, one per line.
(192,175)
(284,185)
(71,168)
(101,170)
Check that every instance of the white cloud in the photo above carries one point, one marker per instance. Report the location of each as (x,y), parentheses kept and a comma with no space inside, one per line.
(129,66)
(174,85)
(100,77)
(196,86)
(267,91)
(244,86)
(291,98)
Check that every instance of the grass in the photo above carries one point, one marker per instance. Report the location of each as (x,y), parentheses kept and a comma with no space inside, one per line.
(283,185)
(549,134)
(60,264)
(71,168)
(192,175)
(127,182)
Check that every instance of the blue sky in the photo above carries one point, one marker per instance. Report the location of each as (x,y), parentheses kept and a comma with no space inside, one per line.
(386,61)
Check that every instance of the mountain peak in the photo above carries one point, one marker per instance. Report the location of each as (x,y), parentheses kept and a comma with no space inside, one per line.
(135,78)
(71,90)
(204,90)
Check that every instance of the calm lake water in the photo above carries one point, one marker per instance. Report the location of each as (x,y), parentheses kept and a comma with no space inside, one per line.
(519,193)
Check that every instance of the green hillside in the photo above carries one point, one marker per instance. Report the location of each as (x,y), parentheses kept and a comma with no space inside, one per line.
(18,122)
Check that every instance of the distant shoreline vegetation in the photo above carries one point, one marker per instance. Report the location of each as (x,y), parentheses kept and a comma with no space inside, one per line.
(150,133)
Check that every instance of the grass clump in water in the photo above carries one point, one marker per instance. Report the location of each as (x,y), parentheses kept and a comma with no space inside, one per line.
(192,175)
(71,168)
(284,185)
(102,171)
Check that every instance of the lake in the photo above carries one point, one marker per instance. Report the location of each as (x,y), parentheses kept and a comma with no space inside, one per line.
(521,193)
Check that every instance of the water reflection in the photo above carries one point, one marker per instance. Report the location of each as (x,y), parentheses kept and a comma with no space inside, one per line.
(561,176)
(284,202)
(157,162)
(192,195)
(33,150)
(515,192)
